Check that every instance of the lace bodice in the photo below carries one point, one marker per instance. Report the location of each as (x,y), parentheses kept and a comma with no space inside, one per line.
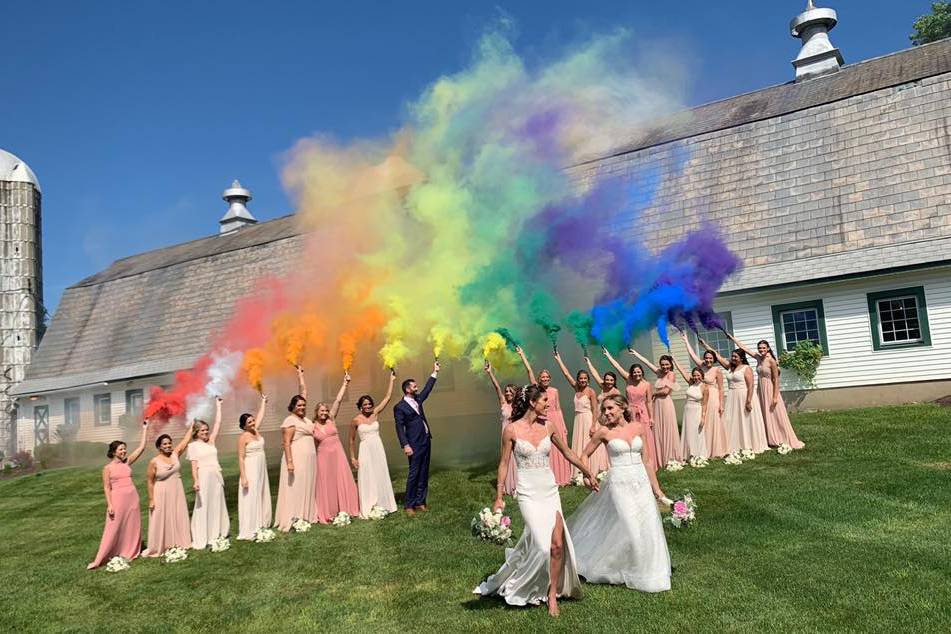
(695,393)
(165,470)
(368,430)
(205,454)
(527,456)
(623,454)
(582,403)
(737,378)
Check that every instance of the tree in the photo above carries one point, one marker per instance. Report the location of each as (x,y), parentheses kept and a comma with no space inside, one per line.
(934,27)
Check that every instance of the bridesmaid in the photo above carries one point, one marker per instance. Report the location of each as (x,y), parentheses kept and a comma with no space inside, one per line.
(295,493)
(639,398)
(373,472)
(584,424)
(779,429)
(168,509)
(505,405)
(210,513)
(608,383)
(665,415)
(744,422)
(336,490)
(122,534)
(695,412)
(559,464)
(254,489)
(718,441)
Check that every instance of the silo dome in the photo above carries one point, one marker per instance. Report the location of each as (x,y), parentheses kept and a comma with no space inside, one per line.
(12,169)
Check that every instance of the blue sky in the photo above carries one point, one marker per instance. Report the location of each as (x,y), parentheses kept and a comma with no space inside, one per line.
(136,115)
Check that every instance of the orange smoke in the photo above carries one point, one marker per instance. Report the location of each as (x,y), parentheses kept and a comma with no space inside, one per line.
(365,326)
(253,368)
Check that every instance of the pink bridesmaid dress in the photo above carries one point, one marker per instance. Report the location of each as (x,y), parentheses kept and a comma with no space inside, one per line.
(336,490)
(511,478)
(718,442)
(559,464)
(779,429)
(669,445)
(122,535)
(637,399)
(295,492)
(168,521)
(581,434)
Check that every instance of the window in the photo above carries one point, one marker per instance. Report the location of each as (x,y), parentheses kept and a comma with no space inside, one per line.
(716,338)
(899,318)
(803,321)
(71,411)
(41,425)
(102,409)
(134,403)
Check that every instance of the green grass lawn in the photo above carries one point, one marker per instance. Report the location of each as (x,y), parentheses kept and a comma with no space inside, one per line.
(850,534)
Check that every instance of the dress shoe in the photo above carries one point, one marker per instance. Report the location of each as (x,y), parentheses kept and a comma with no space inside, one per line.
(410,512)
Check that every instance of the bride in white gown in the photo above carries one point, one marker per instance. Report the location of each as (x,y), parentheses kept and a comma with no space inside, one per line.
(618,534)
(541,567)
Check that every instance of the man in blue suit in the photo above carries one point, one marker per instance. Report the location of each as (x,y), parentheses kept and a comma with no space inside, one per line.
(412,428)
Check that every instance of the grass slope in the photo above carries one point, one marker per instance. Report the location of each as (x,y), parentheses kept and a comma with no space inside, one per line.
(850,534)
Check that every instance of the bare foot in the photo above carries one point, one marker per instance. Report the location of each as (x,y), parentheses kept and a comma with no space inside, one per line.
(553,607)
(410,513)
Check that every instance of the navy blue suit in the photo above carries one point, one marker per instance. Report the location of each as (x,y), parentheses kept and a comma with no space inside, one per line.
(413,431)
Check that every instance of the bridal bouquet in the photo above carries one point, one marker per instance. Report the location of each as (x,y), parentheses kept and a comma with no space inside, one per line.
(300,526)
(220,544)
(377,513)
(698,462)
(683,511)
(117,564)
(341,519)
(175,554)
(783,449)
(733,458)
(492,527)
(264,535)
(674,465)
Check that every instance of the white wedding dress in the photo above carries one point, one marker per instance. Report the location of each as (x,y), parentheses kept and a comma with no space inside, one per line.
(524,577)
(619,537)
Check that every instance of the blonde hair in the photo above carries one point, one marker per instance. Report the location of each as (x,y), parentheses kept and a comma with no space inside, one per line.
(621,402)
(196,427)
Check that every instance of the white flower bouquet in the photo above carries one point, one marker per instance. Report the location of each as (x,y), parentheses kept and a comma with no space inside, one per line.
(117,564)
(220,544)
(602,475)
(300,525)
(783,449)
(377,513)
(683,512)
(698,462)
(578,479)
(341,519)
(747,454)
(674,465)
(733,458)
(492,527)
(264,535)
(175,554)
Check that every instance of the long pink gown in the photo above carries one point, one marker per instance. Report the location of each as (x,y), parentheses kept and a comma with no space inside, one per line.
(122,535)
(168,521)
(637,399)
(336,490)
(746,429)
(718,441)
(511,478)
(779,429)
(559,464)
(669,445)
(295,492)
(581,434)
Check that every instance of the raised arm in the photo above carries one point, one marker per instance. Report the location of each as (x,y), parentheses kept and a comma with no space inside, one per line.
(389,393)
(644,360)
(430,384)
(716,355)
(262,409)
(340,394)
(742,346)
(217,425)
(183,443)
(564,370)
(680,369)
(301,384)
(616,365)
(594,372)
(690,352)
(138,450)
(528,366)
(495,383)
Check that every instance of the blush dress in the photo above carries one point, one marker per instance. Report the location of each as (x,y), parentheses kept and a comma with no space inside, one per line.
(779,429)
(511,478)
(122,534)
(295,493)
(559,464)
(618,534)
(746,429)
(373,475)
(168,521)
(210,513)
(526,574)
(694,438)
(665,422)
(637,399)
(336,490)
(581,434)
(254,503)
(714,428)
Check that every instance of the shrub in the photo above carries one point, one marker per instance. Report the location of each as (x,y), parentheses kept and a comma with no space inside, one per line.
(804,360)
(69,453)
(23,460)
